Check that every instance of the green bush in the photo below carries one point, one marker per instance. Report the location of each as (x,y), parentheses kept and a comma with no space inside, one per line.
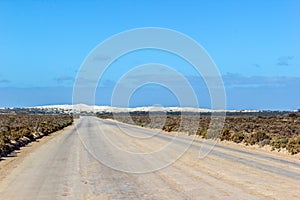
(201,132)
(293,145)
(225,135)
(256,137)
(279,142)
(237,137)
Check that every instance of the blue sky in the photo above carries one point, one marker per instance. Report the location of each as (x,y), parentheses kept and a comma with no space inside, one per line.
(255,45)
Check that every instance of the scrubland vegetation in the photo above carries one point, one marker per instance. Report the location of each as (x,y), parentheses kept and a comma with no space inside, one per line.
(279,131)
(17,130)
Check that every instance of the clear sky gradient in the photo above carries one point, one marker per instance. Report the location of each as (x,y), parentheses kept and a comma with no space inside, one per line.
(255,45)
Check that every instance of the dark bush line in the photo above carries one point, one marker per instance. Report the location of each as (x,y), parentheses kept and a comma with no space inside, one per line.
(17,130)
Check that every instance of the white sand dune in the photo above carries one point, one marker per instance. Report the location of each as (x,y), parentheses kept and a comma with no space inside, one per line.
(67,108)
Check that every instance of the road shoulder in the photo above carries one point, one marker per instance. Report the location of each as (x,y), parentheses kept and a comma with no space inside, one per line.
(7,164)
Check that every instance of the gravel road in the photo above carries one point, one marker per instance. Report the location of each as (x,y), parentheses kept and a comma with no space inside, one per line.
(104,159)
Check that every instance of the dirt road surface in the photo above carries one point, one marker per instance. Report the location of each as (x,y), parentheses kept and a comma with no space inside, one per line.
(103,159)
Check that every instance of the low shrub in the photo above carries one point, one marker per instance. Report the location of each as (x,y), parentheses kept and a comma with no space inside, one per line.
(225,135)
(279,142)
(278,130)
(18,129)
(256,137)
(293,145)
(237,137)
